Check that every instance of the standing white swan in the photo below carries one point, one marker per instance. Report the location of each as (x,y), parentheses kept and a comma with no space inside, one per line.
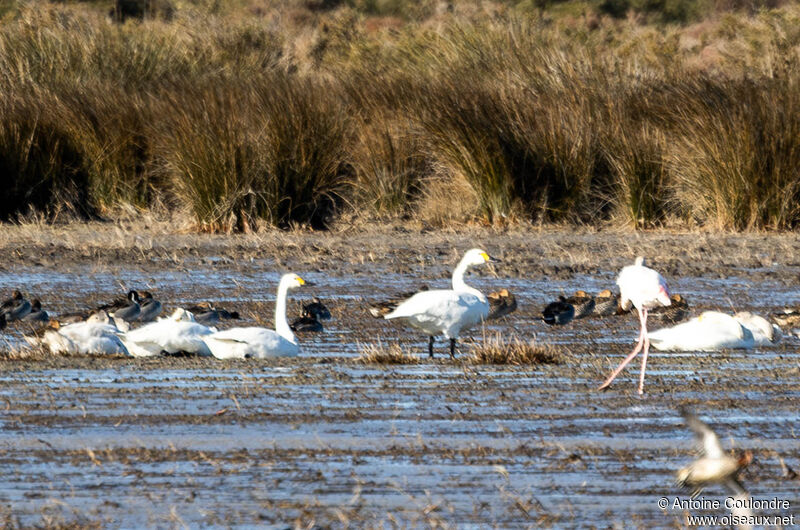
(261,343)
(447,311)
(645,289)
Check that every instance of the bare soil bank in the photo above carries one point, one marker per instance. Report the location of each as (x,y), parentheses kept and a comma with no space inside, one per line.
(558,253)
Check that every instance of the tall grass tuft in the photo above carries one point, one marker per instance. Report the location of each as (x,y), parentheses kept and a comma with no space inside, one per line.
(736,161)
(497,350)
(272,150)
(44,167)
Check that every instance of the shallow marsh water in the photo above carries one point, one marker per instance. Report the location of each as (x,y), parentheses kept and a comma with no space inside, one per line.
(325,440)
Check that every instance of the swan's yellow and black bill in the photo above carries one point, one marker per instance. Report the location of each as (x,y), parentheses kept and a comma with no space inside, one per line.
(489,259)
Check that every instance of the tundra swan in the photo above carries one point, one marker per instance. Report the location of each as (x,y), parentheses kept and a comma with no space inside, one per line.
(447,311)
(240,343)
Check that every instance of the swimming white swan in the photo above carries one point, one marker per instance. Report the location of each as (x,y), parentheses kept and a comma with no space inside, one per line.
(261,343)
(764,333)
(710,331)
(447,311)
(95,336)
(176,334)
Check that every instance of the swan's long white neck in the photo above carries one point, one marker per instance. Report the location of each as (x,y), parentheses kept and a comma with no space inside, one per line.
(281,325)
(458,279)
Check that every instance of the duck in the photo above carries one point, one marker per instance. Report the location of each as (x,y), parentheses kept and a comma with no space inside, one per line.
(447,311)
(645,289)
(605,303)
(93,336)
(207,314)
(788,318)
(676,311)
(501,303)
(149,307)
(715,466)
(711,331)
(558,313)
(583,304)
(177,334)
(309,320)
(764,333)
(258,342)
(37,314)
(127,309)
(15,307)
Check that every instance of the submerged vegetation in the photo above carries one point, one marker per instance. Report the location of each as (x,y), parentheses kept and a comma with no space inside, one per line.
(245,114)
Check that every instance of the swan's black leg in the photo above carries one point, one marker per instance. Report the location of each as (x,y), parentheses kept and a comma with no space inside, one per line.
(452,348)
(430,346)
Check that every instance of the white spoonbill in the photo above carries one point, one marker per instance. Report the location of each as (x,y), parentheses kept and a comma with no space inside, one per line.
(447,311)
(645,289)
(240,343)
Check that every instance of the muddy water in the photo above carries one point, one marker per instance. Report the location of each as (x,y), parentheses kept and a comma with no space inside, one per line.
(323,439)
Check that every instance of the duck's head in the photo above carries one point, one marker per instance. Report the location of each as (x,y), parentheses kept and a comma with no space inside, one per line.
(745,459)
(36,305)
(605,293)
(133,296)
(16,295)
(478,256)
(145,295)
(676,298)
(316,309)
(581,294)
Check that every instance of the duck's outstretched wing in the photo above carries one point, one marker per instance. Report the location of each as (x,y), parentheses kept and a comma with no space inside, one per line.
(707,437)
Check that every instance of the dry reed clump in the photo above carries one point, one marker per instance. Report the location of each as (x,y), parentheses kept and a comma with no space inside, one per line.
(272,149)
(498,350)
(441,116)
(385,354)
(736,162)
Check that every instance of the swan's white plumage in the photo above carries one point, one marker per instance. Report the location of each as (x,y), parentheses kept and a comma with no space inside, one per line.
(85,338)
(443,311)
(257,342)
(168,335)
(764,333)
(710,331)
(447,311)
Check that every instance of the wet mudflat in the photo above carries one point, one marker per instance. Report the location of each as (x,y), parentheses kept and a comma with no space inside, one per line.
(324,439)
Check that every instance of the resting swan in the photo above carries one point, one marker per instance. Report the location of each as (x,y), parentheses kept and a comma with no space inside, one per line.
(94,336)
(447,311)
(261,343)
(710,331)
(177,334)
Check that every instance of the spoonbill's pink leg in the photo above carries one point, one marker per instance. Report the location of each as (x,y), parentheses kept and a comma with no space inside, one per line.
(646,349)
(629,358)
